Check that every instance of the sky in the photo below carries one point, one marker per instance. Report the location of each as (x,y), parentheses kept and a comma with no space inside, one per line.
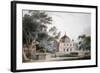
(71,23)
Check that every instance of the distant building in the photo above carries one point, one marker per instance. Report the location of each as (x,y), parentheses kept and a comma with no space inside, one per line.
(66,44)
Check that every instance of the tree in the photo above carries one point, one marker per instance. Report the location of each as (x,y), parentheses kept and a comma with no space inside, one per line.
(84,42)
(34,29)
(34,23)
(54,33)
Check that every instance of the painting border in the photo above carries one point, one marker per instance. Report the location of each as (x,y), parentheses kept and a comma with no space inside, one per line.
(13,35)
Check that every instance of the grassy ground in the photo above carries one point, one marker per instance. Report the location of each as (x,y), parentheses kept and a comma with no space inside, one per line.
(80,58)
(64,57)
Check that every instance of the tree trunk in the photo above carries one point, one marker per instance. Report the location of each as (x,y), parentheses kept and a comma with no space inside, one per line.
(24,57)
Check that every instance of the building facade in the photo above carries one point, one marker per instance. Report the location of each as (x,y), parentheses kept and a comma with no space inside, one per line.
(66,44)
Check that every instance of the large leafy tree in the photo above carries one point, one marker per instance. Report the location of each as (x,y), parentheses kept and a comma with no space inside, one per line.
(35,25)
(84,42)
(54,33)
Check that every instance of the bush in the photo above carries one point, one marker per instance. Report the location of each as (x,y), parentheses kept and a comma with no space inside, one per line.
(74,53)
(67,55)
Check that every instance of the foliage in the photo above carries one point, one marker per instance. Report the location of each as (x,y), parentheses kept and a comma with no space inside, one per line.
(84,42)
(35,25)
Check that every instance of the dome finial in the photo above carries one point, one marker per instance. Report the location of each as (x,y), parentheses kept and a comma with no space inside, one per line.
(65,33)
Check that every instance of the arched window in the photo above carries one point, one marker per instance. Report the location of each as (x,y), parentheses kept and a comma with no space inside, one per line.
(67,49)
(64,49)
(70,49)
(70,44)
(67,44)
